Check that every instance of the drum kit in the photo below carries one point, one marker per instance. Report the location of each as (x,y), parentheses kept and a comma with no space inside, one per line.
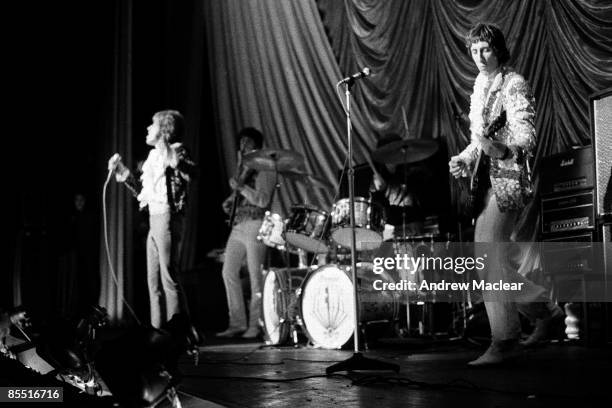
(317,300)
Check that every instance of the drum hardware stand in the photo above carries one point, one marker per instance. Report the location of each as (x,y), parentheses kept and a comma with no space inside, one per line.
(302,259)
(357,361)
(277,186)
(294,336)
(404,191)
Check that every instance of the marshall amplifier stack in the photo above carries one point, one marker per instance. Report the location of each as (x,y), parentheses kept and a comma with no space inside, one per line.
(568,216)
(566,188)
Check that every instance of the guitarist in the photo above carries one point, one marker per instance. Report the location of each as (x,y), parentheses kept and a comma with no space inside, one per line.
(246,206)
(506,186)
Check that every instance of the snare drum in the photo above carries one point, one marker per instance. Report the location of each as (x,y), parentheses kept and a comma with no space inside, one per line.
(308,228)
(326,304)
(369,223)
(279,304)
(271,231)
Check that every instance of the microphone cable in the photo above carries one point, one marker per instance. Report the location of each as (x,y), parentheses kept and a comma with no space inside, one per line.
(107,246)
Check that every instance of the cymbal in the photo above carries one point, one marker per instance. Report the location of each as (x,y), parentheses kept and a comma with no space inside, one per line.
(405,151)
(274,160)
(309,179)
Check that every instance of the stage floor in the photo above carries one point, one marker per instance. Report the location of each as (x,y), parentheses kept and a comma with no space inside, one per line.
(241,374)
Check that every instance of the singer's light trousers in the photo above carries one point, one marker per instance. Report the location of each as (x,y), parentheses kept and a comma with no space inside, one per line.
(163,248)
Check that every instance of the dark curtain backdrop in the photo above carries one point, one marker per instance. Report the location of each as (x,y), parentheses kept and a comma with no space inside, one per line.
(58,88)
(273,65)
(120,212)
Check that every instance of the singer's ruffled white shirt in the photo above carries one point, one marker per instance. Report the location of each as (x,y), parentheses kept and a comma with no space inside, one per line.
(154,193)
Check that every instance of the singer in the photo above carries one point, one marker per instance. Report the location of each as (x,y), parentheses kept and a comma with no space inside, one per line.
(162,189)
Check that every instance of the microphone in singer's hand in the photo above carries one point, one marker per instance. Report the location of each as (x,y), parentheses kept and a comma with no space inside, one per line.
(361,74)
(114,162)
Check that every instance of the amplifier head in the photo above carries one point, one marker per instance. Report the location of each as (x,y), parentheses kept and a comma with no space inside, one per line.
(568,171)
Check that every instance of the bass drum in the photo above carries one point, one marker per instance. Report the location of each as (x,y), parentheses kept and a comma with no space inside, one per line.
(326,304)
(279,302)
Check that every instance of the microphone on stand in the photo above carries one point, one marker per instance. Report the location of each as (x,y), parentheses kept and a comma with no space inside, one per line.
(361,74)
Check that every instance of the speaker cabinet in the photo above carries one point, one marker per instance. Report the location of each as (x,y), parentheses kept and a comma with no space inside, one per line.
(601,134)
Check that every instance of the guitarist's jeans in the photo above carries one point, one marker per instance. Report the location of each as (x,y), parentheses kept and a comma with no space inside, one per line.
(163,248)
(494,226)
(243,243)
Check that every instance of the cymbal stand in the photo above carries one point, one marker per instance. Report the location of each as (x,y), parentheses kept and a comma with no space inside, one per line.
(277,185)
(357,361)
(403,191)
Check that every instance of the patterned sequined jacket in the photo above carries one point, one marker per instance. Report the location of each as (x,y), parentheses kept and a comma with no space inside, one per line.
(510,177)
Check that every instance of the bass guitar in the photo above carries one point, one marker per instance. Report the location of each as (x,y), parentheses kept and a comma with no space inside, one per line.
(242,174)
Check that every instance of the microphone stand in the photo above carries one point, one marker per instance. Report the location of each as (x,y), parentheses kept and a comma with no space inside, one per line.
(466,298)
(357,361)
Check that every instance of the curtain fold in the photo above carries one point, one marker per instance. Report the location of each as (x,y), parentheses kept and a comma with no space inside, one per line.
(119,203)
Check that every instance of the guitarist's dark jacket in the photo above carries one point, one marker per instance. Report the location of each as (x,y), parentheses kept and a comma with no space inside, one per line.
(510,175)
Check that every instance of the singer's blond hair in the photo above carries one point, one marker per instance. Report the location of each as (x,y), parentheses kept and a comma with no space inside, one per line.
(171,125)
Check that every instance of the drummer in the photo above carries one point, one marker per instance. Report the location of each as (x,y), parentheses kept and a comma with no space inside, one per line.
(393,187)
